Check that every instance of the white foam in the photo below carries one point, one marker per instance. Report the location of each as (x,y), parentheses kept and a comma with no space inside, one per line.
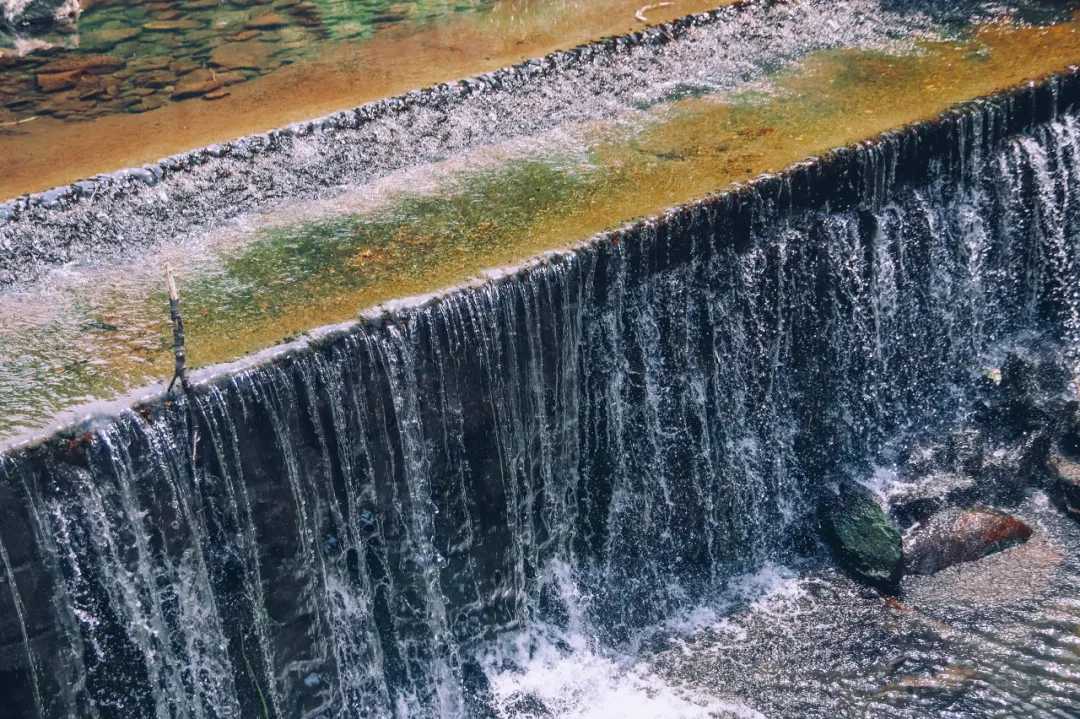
(574,679)
(573,675)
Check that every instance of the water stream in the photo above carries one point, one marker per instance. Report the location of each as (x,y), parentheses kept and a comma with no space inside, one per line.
(584,449)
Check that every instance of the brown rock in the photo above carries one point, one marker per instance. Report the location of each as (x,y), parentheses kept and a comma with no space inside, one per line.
(230,77)
(155,79)
(960,535)
(171,25)
(202,4)
(245,35)
(109,38)
(97,64)
(216,95)
(55,82)
(266,21)
(237,55)
(145,104)
(170,14)
(157,63)
(196,84)
(90,87)
(154,102)
(183,67)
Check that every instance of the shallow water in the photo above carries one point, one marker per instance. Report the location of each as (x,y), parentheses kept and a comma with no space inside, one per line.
(129,83)
(995,638)
(97,331)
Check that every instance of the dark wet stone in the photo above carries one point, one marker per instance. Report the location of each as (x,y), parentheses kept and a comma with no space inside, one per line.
(930,494)
(36,13)
(856,527)
(1066,476)
(960,535)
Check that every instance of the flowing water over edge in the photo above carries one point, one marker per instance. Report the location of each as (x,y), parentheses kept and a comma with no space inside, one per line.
(609,436)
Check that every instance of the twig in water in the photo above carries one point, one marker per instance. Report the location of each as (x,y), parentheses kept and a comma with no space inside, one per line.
(640,14)
(15,123)
(180,355)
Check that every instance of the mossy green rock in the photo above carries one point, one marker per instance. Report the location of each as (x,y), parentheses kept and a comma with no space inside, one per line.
(866,541)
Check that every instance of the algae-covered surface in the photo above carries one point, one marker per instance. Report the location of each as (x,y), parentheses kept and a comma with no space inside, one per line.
(95,332)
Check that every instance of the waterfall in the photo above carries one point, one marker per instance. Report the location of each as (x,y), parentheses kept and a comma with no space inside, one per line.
(614,430)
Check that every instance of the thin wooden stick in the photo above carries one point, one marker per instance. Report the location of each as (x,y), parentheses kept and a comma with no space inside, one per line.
(179,351)
(640,14)
(180,355)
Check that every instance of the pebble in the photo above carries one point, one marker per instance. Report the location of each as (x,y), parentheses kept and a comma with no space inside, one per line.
(231,77)
(196,84)
(83,63)
(54,82)
(155,79)
(171,25)
(266,21)
(157,63)
(238,55)
(107,39)
(183,67)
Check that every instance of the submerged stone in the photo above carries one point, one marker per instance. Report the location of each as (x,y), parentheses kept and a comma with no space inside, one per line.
(242,55)
(97,64)
(54,82)
(961,535)
(857,528)
(195,84)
